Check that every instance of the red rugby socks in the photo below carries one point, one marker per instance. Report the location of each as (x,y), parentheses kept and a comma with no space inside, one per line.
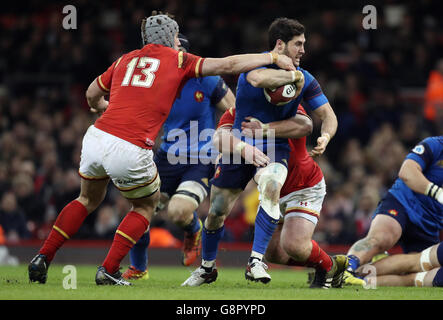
(128,233)
(318,259)
(66,225)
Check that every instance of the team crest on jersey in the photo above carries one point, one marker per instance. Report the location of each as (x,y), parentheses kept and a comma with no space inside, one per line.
(393,212)
(199,96)
(419,149)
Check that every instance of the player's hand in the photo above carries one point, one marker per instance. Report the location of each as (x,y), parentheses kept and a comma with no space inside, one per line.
(285,62)
(320,148)
(299,82)
(100,108)
(254,127)
(254,155)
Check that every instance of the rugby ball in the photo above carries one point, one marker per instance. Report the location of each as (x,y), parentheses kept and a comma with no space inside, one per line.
(281,95)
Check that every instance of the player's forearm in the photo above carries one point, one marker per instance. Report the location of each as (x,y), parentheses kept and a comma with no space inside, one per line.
(270,78)
(227,102)
(329,120)
(224,141)
(244,62)
(293,128)
(329,126)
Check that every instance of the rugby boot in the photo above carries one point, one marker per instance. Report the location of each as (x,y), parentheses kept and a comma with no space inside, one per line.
(192,246)
(256,271)
(38,269)
(200,276)
(332,278)
(134,274)
(102,277)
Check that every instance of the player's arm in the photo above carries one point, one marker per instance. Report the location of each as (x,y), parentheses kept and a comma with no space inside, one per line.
(99,88)
(295,127)
(329,125)
(244,62)
(227,143)
(227,101)
(96,98)
(272,78)
(412,175)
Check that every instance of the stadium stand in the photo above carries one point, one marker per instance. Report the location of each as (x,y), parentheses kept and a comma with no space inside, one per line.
(382,85)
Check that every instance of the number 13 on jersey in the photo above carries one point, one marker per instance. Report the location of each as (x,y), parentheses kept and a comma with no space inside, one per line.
(148,72)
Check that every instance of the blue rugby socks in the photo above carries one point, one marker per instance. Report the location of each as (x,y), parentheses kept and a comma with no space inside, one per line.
(194,226)
(264,228)
(139,253)
(210,241)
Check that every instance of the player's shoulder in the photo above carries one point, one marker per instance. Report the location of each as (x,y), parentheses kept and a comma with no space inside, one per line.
(429,149)
(434,139)
(433,142)
(308,76)
(209,80)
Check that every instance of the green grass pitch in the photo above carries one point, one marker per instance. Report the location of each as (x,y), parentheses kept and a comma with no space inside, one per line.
(164,284)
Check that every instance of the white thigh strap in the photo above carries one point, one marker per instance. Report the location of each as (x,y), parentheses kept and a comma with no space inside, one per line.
(425,260)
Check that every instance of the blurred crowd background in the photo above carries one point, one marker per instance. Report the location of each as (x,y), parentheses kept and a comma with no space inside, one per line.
(385,85)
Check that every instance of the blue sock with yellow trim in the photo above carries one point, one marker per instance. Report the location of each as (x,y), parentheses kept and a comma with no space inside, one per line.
(138,255)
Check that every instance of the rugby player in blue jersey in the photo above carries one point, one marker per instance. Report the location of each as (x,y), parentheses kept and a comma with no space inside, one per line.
(286,36)
(185,162)
(411,213)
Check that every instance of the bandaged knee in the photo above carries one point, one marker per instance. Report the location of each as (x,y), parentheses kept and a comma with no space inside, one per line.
(191,190)
(274,173)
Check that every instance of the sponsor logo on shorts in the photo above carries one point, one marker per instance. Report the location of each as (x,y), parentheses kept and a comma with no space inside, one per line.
(393,212)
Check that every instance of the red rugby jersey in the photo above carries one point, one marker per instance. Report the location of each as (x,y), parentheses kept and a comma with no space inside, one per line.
(303,171)
(143,85)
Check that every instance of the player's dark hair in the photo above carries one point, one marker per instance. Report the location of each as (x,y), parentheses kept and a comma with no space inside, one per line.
(284,29)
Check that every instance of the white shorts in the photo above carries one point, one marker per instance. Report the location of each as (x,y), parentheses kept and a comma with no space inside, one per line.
(131,168)
(304,203)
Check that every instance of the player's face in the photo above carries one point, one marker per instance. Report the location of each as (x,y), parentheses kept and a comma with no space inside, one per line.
(295,49)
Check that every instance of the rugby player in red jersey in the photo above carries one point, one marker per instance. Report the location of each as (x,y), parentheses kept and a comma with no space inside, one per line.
(301,196)
(142,86)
